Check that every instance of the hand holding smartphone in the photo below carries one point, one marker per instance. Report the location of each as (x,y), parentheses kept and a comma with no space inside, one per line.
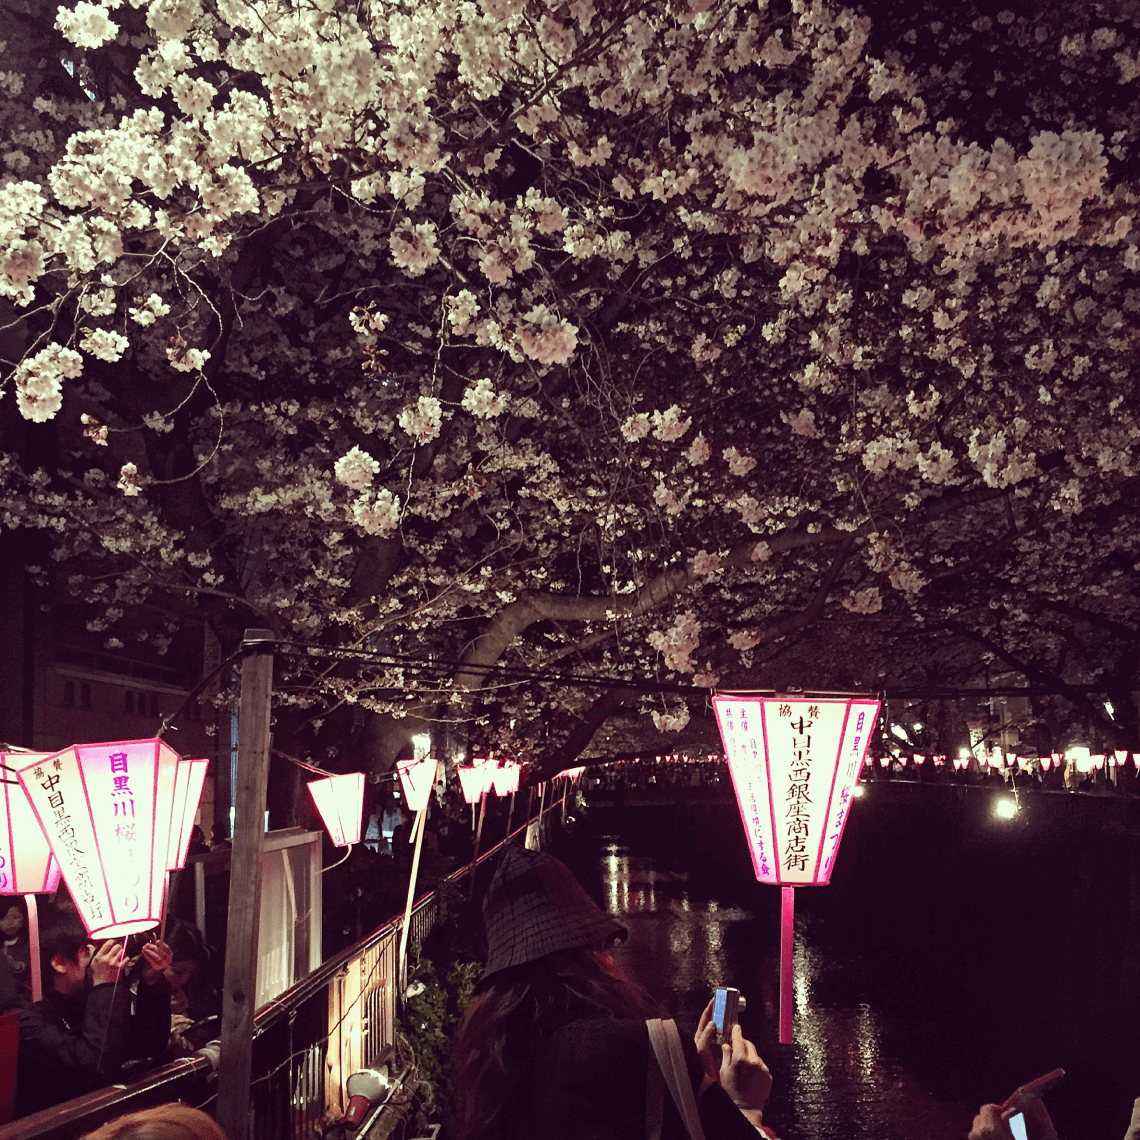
(1024,1112)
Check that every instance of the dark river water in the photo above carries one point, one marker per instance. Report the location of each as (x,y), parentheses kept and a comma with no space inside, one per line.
(949,961)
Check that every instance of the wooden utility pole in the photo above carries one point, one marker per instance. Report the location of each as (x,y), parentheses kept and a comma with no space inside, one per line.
(239,991)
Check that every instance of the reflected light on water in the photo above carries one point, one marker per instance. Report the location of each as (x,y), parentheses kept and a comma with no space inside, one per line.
(835,1081)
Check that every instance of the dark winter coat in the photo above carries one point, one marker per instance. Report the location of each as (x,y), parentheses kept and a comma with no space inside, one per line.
(72,1045)
(586,1080)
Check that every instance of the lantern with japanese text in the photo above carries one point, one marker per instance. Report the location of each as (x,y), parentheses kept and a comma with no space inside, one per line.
(27,866)
(794,762)
(107,811)
(340,800)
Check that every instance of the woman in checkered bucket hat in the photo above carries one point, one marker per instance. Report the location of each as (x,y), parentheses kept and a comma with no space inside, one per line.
(554,1045)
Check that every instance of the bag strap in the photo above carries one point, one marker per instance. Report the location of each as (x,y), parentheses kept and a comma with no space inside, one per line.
(666,1042)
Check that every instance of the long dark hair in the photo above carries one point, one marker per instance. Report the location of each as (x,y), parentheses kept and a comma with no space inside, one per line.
(493,1037)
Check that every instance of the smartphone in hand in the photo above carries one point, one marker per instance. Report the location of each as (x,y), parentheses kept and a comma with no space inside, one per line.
(1024,1112)
(726,1010)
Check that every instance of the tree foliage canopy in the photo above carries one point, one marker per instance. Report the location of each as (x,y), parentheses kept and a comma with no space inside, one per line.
(711,342)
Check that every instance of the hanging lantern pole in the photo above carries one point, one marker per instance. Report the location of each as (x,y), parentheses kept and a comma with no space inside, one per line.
(416,778)
(240,983)
(794,761)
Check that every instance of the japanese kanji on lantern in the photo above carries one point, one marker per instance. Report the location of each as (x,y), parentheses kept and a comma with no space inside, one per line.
(27,865)
(340,800)
(794,762)
(107,811)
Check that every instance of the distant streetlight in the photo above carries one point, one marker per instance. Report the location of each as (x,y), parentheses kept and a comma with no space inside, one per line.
(1005,807)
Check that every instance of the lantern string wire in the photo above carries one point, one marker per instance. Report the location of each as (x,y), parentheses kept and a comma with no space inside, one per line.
(301,763)
(515,674)
(339,861)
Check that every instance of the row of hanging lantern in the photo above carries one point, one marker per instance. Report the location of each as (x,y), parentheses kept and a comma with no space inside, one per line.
(1081,759)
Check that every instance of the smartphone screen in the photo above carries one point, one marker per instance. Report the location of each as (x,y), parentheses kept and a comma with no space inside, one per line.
(1017,1126)
(725,1012)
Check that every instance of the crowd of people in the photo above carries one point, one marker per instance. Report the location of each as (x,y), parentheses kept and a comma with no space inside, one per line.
(109,1010)
(556,1044)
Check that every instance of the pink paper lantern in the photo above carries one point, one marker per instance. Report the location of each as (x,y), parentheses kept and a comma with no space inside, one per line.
(188,783)
(471,782)
(27,865)
(773,744)
(919,758)
(108,811)
(794,763)
(939,761)
(416,780)
(340,800)
(572,774)
(1121,758)
(505,778)
(1097,761)
(1045,762)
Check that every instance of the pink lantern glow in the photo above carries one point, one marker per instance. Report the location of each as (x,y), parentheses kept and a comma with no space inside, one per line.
(188,783)
(471,782)
(27,865)
(572,774)
(770,754)
(340,800)
(885,761)
(1045,762)
(1097,761)
(1121,758)
(794,763)
(939,761)
(919,758)
(107,811)
(416,780)
(505,778)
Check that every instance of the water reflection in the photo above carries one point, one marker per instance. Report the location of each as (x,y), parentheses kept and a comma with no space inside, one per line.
(837,1080)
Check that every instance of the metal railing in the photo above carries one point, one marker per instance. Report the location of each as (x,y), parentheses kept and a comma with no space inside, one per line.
(307,1041)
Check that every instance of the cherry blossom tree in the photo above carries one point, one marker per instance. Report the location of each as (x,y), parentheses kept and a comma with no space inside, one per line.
(529,355)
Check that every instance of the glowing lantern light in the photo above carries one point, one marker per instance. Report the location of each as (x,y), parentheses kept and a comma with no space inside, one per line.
(27,866)
(775,745)
(473,782)
(1045,762)
(505,778)
(885,761)
(939,761)
(416,780)
(574,774)
(188,783)
(1121,758)
(1097,761)
(107,811)
(1057,758)
(1022,762)
(961,762)
(340,800)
